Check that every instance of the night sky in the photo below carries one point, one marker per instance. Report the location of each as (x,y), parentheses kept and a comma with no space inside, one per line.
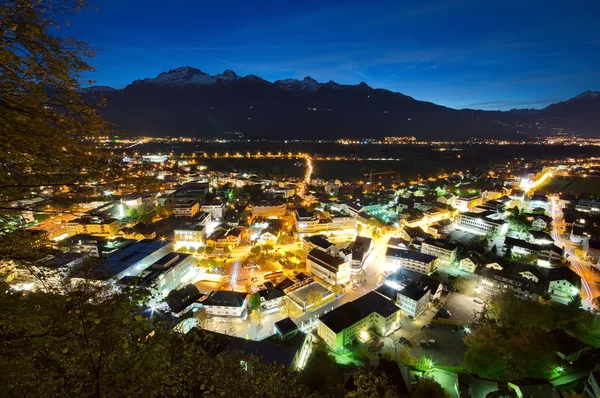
(473,53)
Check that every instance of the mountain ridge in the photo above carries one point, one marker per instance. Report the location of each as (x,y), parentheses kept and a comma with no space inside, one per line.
(188,101)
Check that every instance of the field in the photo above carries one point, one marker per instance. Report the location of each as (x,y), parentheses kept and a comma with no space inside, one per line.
(572,186)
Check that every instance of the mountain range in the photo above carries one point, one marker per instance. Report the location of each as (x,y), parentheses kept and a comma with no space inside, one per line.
(188,102)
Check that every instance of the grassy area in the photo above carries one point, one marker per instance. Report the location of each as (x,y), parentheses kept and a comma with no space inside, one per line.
(571,185)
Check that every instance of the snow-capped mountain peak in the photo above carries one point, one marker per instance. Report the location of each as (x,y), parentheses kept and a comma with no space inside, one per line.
(227,75)
(183,75)
(306,84)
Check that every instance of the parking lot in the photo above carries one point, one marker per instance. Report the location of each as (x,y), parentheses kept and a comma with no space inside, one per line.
(461,306)
(448,348)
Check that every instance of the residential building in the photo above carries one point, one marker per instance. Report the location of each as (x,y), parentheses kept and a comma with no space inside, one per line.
(93,225)
(546,254)
(470,262)
(540,223)
(226,303)
(286,329)
(539,238)
(442,249)
(180,300)
(319,242)
(448,199)
(216,210)
(568,348)
(221,238)
(484,223)
(588,206)
(561,282)
(186,208)
(492,282)
(466,202)
(307,223)
(404,277)
(361,248)
(411,260)
(591,248)
(270,298)
(268,210)
(269,235)
(332,270)
(352,320)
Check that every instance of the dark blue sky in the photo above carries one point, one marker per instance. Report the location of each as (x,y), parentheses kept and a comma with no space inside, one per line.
(458,53)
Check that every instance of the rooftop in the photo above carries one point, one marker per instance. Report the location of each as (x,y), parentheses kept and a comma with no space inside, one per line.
(410,255)
(325,260)
(226,298)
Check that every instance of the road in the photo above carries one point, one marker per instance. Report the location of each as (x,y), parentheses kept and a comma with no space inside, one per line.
(589,287)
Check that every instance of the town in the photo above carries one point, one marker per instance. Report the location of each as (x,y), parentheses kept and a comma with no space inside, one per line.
(373,271)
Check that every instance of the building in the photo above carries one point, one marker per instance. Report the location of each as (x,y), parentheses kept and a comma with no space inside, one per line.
(588,206)
(546,254)
(591,247)
(361,248)
(466,202)
(190,236)
(492,282)
(442,249)
(333,270)
(319,242)
(404,277)
(411,260)
(186,208)
(179,300)
(268,210)
(286,329)
(540,223)
(131,260)
(470,262)
(93,225)
(561,282)
(484,223)
(222,238)
(226,303)
(539,238)
(353,320)
(307,223)
(270,298)
(216,210)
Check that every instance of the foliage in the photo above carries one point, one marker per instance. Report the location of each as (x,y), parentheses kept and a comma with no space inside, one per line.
(427,387)
(313,297)
(202,317)
(209,250)
(321,373)
(257,316)
(254,301)
(255,250)
(575,302)
(42,114)
(287,307)
(370,386)
(502,355)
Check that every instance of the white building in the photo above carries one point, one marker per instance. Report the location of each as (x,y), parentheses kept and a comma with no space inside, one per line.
(216,210)
(186,208)
(484,223)
(411,260)
(226,303)
(333,270)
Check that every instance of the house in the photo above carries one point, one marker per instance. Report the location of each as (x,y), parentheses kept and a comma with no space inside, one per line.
(442,249)
(591,247)
(286,329)
(408,259)
(270,298)
(226,303)
(403,277)
(222,238)
(319,242)
(448,199)
(179,300)
(332,270)
(398,243)
(546,254)
(492,282)
(470,262)
(186,208)
(561,282)
(540,222)
(361,248)
(269,235)
(413,298)
(354,319)
(539,238)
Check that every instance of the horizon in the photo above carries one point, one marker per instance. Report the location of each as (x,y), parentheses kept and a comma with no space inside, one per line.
(460,55)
